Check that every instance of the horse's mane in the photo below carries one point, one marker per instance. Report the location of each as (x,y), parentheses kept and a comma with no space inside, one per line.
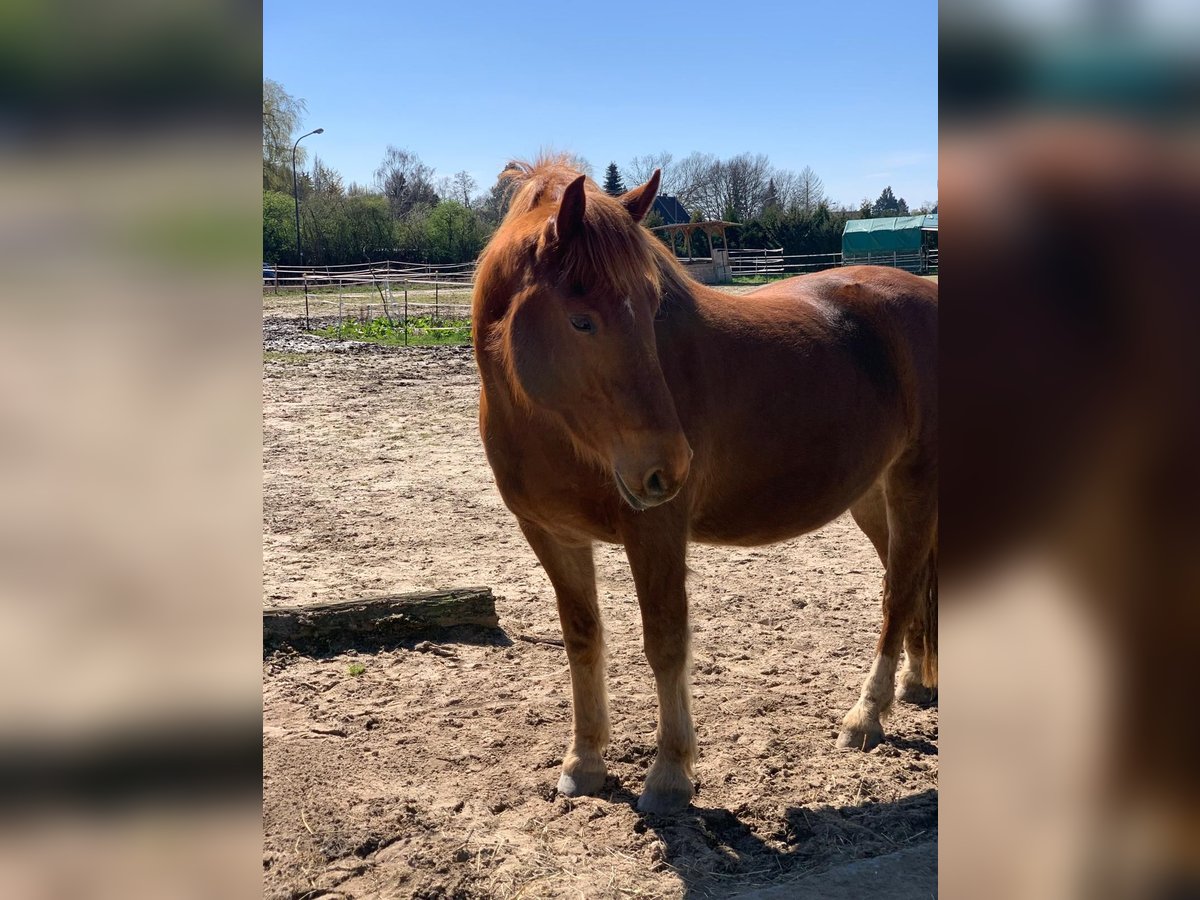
(614,255)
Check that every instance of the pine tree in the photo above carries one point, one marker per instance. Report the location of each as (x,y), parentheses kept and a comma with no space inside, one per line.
(612,181)
(888,204)
(771,199)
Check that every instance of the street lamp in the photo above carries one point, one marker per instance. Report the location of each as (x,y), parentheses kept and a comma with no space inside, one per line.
(296,196)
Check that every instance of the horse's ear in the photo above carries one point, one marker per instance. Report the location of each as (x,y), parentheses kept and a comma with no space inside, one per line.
(639,200)
(569,221)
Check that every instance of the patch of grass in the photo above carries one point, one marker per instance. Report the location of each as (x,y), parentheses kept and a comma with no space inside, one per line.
(423,331)
(355,669)
(762,279)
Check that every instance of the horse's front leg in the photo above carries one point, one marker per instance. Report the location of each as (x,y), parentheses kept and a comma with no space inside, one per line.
(574,578)
(658,560)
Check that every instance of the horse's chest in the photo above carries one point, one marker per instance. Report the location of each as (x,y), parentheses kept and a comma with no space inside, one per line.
(546,484)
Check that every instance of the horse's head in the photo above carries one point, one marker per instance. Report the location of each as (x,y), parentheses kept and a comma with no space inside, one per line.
(576,338)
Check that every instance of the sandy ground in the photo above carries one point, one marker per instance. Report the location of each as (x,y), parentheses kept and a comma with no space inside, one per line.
(432,773)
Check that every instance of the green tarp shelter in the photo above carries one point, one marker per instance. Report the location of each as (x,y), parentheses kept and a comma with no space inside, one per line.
(898,240)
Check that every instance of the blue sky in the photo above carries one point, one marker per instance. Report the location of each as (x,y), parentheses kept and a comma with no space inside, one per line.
(849,89)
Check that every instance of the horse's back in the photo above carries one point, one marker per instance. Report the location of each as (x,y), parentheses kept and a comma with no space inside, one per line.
(898,308)
(892,297)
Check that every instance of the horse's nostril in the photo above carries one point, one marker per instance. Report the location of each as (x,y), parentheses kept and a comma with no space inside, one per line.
(656,485)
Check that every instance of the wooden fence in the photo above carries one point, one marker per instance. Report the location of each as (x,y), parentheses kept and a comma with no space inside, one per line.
(774,263)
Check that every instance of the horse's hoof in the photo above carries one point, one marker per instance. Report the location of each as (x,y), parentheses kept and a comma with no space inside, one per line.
(860,738)
(916,693)
(664,803)
(580,783)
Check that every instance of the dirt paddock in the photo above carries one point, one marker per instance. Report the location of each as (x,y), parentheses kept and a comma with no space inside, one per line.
(428,770)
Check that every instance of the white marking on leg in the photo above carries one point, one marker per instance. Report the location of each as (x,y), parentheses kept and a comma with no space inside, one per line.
(880,687)
(911,673)
(590,704)
(669,781)
(676,734)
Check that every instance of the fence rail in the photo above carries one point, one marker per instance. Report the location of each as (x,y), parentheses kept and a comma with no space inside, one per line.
(356,291)
(751,263)
(743,263)
(349,275)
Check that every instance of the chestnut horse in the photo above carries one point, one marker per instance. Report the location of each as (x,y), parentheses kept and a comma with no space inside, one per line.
(623,402)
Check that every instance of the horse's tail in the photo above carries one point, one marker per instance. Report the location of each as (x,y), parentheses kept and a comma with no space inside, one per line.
(929,614)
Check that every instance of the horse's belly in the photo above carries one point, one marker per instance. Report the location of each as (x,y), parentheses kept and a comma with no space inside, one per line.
(766,520)
(777,497)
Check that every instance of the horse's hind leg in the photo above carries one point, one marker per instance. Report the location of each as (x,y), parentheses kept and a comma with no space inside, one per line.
(657,557)
(573,575)
(918,678)
(911,503)
(870,513)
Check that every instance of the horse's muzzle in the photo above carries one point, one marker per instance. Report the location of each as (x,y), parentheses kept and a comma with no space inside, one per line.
(655,487)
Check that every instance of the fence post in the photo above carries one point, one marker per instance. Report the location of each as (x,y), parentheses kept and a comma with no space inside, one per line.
(307,323)
(406,313)
(435,296)
(893,259)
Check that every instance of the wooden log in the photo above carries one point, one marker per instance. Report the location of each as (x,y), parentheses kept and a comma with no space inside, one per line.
(377,620)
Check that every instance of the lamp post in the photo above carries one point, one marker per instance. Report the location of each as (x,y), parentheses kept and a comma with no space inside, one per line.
(296,196)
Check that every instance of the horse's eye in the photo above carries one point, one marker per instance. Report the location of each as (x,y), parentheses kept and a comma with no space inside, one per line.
(581,323)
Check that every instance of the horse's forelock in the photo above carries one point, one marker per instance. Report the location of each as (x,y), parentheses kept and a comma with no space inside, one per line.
(611,254)
(538,182)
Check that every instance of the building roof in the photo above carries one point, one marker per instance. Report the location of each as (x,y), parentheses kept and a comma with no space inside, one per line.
(670,210)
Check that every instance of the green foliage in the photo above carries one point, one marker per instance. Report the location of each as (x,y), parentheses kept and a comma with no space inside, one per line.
(279,227)
(454,233)
(359,226)
(282,114)
(761,279)
(355,669)
(423,331)
(339,228)
(796,231)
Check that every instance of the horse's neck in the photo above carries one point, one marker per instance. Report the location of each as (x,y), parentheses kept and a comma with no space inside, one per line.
(683,293)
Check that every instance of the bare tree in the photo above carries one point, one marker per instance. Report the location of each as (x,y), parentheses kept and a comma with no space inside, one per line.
(734,187)
(326,180)
(493,205)
(405,181)
(786,182)
(464,186)
(639,169)
(458,187)
(581,165)
(692,179)
(749,180)
(810,190)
